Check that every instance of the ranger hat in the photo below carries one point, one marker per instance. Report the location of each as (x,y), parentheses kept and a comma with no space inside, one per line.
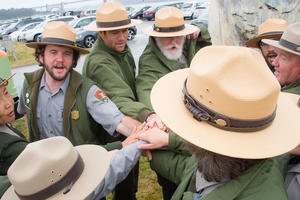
(270,29)
(231,105)
(53,169)
(58,33)
(111,16)
(169,22)
(290,40)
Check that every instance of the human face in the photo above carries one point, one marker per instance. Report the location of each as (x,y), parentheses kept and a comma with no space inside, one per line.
(268,52)
(58,61)
(7,114)
(171,47)
(287,67)
(115,39)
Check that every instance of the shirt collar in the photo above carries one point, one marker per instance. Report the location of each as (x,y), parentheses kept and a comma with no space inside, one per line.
(63,87)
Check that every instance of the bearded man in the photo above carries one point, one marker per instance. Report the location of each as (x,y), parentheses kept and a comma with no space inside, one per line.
(168,50)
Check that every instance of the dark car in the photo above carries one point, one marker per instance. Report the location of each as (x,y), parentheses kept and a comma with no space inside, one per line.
(150,13)
(139,14)
(86,38)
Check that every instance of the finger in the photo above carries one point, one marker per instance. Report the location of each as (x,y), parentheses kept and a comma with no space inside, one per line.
(146,146)
(149,155)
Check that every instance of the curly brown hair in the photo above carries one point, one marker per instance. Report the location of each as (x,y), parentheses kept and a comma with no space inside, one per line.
(216,167)
(40,50)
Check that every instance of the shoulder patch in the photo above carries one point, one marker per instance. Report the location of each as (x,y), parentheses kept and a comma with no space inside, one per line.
(99,94)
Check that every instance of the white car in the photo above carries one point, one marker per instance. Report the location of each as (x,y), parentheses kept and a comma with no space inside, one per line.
(18,35)
(188,10)
(33,34)
(82,21)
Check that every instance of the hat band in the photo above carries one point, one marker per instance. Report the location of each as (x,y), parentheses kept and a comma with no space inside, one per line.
(271,33)
(289,45)
(113,24)
(58,40)
(203,113)
(66,182)
(168,29)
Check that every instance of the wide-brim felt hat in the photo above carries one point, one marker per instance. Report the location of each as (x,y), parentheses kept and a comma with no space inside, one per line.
(111,16)
(54,161)
(272,28)
(237,107)
(290,40)
(58,33)
(169,22)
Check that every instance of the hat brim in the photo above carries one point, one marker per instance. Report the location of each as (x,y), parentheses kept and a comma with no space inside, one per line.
(35,44)
(96,163)
(278,138)
(188,29)
(254,42)
(276,44)
(93,26)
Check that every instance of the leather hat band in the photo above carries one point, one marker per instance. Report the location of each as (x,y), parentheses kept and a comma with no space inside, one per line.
(289,45)
(168,29)
(203,113)
(113,24)
(66,182)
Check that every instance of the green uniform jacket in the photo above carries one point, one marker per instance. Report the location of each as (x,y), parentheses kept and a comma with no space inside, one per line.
(292,88)
(263,181)
(153,64)
(10,147)
(78,125)
(114,72)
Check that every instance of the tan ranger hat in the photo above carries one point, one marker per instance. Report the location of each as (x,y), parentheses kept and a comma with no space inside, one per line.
(111,16)
(53,169)
(231,105)
(271,28)
(58,33)
(169,22)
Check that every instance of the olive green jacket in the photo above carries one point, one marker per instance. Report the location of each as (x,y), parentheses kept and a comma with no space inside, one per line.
(78,125)
(114,73)
(10,147)
(153,64)
(292,88)
(262,181)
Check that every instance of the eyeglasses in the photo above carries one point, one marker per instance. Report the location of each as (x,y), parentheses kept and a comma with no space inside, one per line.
(4,82)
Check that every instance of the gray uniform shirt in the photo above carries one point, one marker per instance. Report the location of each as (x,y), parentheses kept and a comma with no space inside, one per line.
(50,109)
(120,165)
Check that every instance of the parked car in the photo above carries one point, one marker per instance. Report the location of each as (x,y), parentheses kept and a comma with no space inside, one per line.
(18,35)
(20,24)
(188,10)
(88,13)
(86,38)
(76,13)
(2,48)
(81,22)
(129,11)
(202,18)
(32,35)
(150,13)
(139,13)
(200,8)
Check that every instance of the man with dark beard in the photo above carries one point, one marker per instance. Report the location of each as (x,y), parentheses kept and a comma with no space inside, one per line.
(232,128)
(58,101)
(270,29)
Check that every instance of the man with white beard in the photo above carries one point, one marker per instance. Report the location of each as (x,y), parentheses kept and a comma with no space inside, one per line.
(172,45)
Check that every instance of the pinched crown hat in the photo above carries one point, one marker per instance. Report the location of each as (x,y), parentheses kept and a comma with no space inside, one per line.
(111,16)
(271,28)
(58,33)
(290,40)
(169,22)
(231,105)
(53,169)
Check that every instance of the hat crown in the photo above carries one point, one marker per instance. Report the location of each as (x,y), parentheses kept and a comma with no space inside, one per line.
(292,34)
(272,25)
(238,85)
(169,17)
(42,164)
(111,12)
(59,30)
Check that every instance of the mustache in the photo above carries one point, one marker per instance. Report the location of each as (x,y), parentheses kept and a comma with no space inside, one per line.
(170,46)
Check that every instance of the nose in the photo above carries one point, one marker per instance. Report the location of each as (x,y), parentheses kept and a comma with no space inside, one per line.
(275,62)
(8,103)
(59,59)
(122,35)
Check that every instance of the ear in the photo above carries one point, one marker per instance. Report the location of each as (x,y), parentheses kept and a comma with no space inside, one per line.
(41,59)
(101,34)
